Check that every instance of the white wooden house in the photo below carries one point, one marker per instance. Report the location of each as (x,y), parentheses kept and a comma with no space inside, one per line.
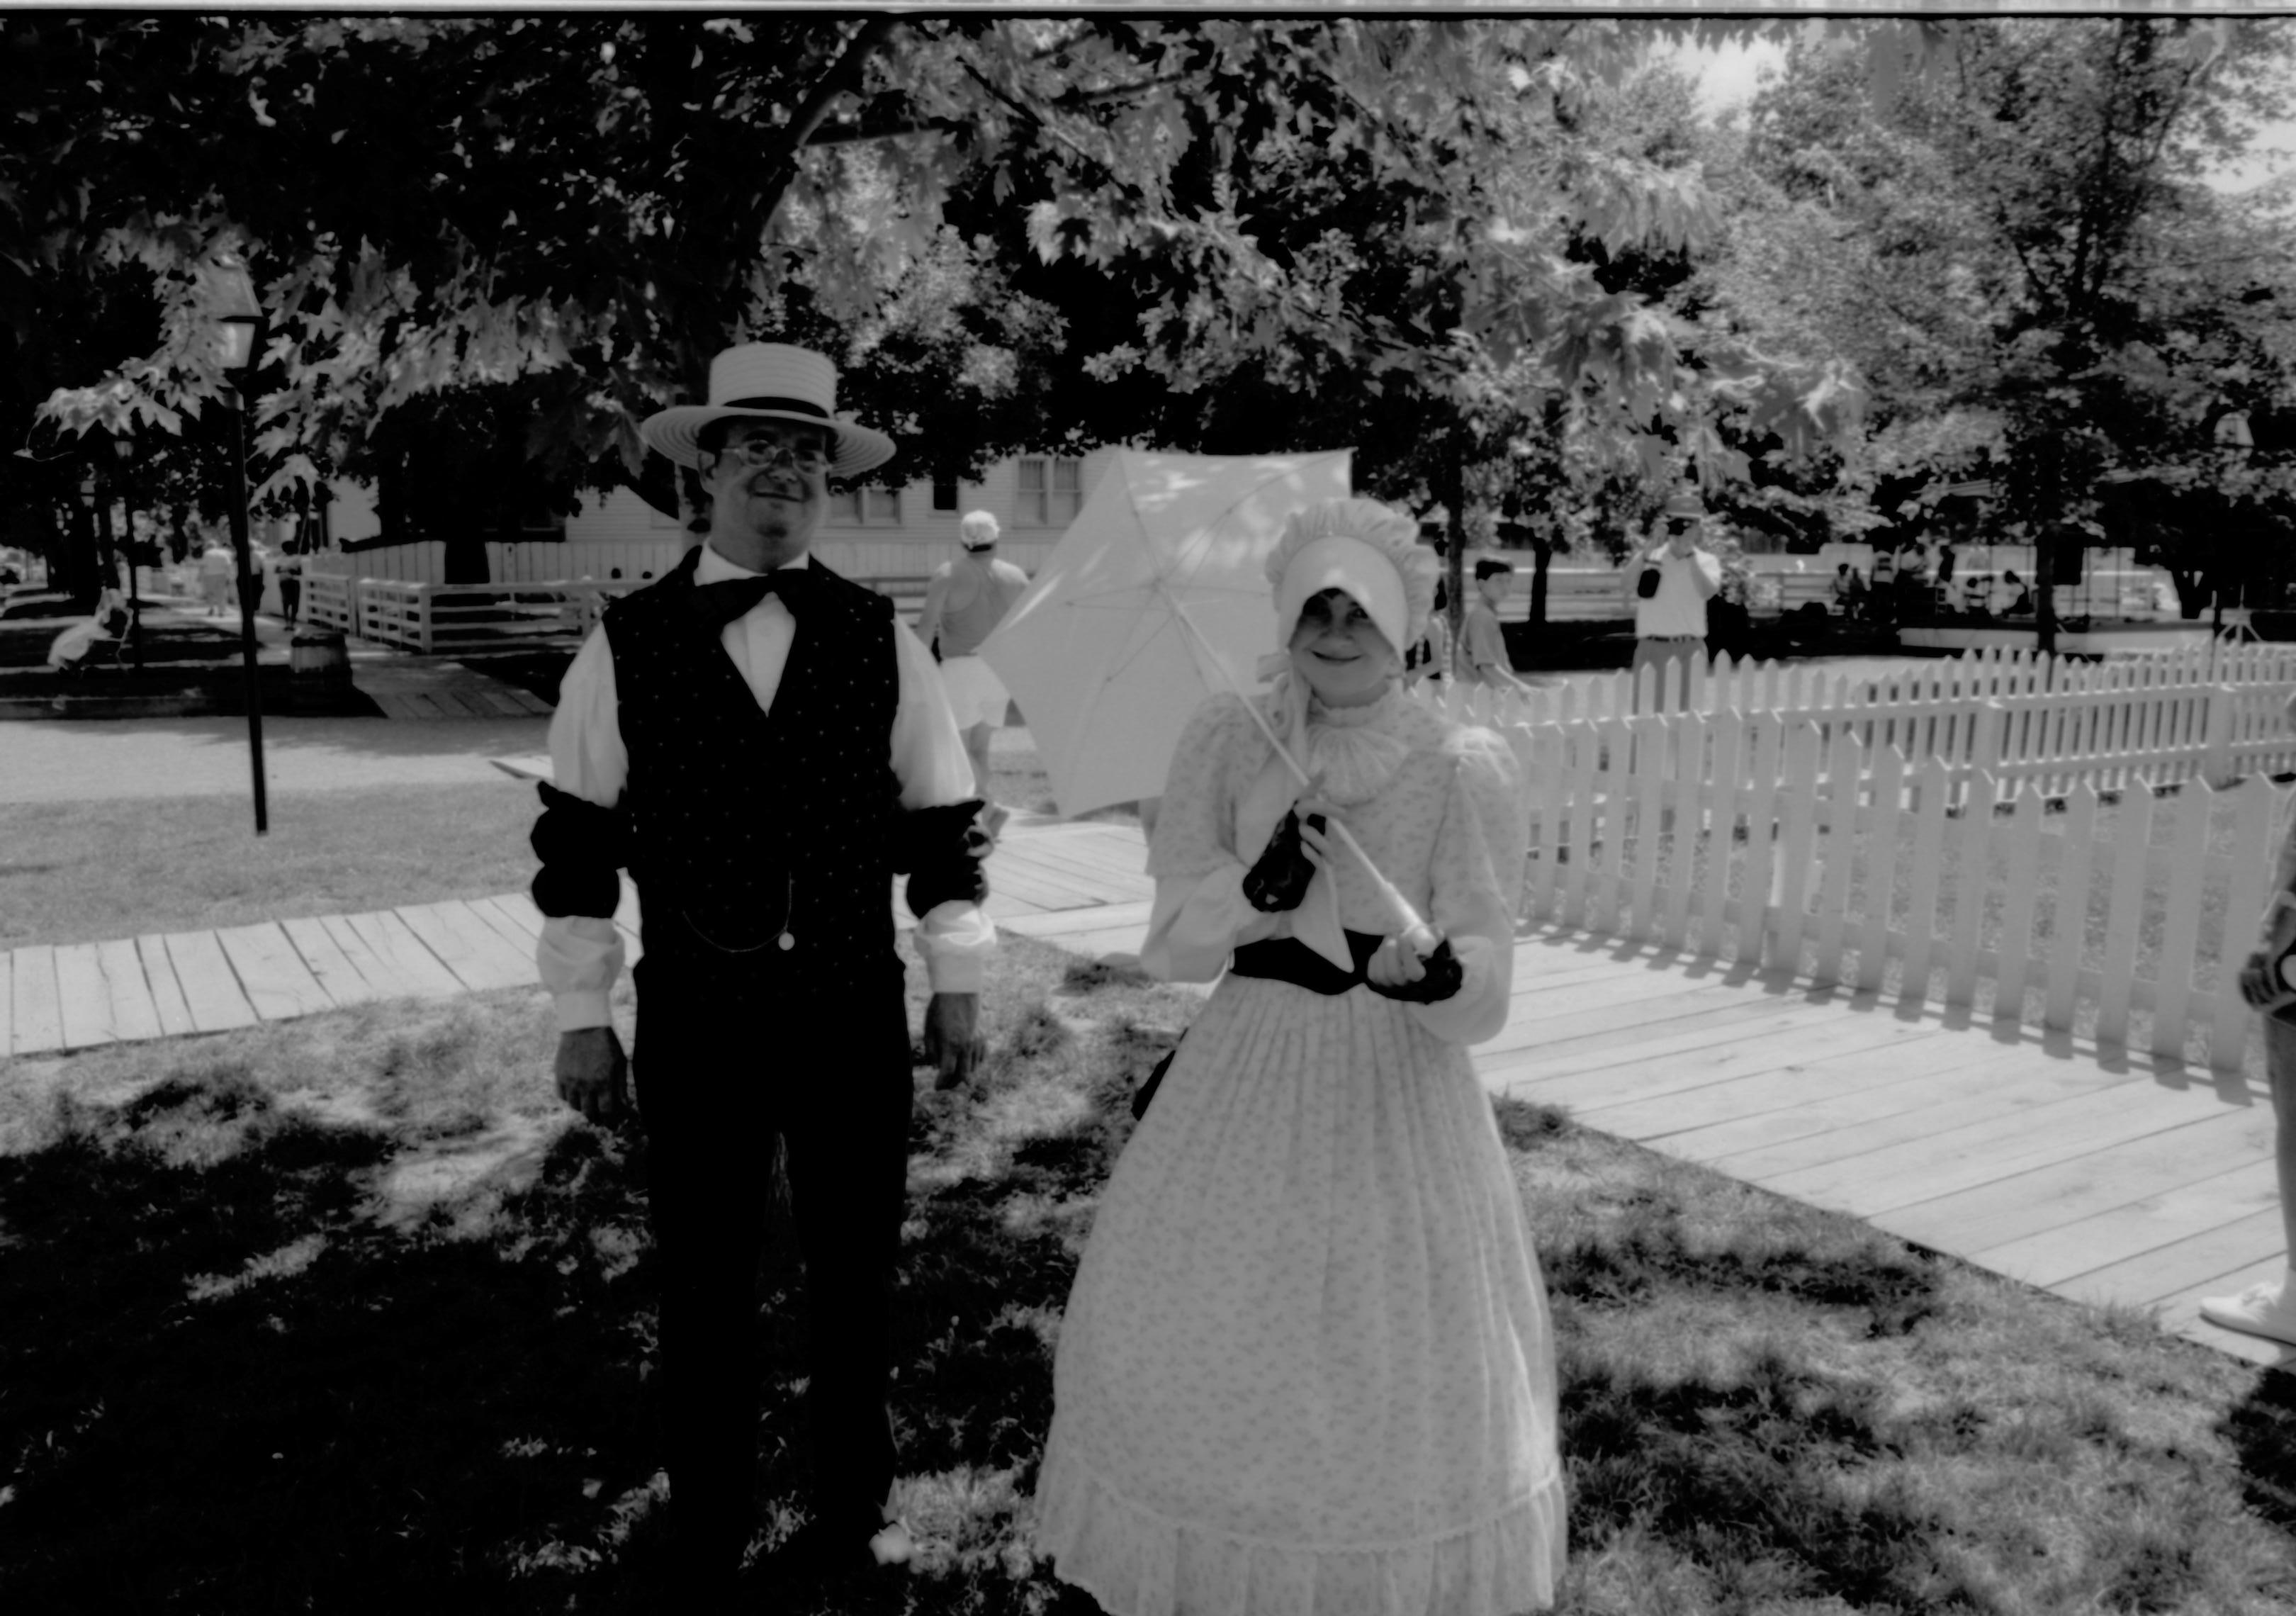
(883,535)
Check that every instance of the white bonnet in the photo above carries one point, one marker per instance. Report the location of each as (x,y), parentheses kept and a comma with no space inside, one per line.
(1367,550)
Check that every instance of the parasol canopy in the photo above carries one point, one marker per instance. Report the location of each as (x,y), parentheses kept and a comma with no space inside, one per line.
(1153,599)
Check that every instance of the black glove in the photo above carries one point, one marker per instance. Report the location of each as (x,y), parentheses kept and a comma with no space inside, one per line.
(1279,880)
(1444,977)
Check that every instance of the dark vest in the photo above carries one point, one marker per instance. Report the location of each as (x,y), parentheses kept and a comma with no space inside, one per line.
(747,825)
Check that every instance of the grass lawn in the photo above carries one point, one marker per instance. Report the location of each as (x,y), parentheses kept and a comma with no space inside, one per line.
(345,1313)
(86,872)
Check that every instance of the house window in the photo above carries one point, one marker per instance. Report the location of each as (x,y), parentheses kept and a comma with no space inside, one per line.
(1050,492)
(943,494)
(867,507)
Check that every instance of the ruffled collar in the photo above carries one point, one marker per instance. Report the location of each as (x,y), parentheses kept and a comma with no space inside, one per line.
(1356,750)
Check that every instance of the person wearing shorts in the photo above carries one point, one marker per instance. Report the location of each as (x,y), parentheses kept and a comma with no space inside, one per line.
(965,600)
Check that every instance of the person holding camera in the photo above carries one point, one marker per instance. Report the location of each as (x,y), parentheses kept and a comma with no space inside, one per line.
(1674,580)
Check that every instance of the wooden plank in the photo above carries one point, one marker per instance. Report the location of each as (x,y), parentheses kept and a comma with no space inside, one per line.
(507,926)
(1761,844)
(1616,1084)
(1976,872)
(1969,1153)
(1721,830)
(413,967)
(38,1015)
(1797,849)
(1724,1020)
(272,974)
(1880,868)
(2021,891)
(83,1000)
(1711,1120)
(2125,919)
(328,964)
(2180,1311)
(2201,1262)
(1649,743)
(519,907)
(2065,1222)
(2180,932)
(479,960)
(2069,914)
(211,989)
(133,1015)
(1689,821)
(1862,1125)
(1060,922)
(1934,788)
(1947,1073)
(166,993)
(2229,1033)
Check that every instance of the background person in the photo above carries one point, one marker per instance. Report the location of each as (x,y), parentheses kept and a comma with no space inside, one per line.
(965,601)
(763,745)
(217,567)
(1482,654)
(1671,621)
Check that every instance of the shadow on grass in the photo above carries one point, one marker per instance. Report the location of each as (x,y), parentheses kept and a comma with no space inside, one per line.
(231,1388)
(229,1381)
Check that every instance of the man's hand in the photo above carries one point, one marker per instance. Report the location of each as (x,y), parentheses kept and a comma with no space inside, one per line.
(594,1074)
(953,1040)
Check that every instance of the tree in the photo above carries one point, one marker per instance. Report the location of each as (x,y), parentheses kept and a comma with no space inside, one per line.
(581,209)
(2020,252)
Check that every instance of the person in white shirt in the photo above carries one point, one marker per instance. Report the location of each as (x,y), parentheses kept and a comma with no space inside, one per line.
(762,745)
(1670,618)
(965,601)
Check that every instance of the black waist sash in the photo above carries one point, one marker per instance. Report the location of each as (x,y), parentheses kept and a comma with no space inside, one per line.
(1287,959)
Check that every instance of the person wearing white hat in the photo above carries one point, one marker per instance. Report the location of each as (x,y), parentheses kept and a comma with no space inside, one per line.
(1307,1361)
(1674,579)
(965,601)
(762,745)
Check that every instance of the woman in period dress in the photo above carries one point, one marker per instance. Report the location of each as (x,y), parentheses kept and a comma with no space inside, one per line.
(1307,1369)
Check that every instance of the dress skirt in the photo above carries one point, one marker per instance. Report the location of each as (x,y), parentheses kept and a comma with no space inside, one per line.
(1307,1368)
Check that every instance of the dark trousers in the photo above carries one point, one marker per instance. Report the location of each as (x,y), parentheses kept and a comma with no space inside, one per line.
(719,1076)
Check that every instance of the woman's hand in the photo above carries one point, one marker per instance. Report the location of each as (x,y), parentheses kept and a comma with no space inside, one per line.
(1398,970)
(1294,853)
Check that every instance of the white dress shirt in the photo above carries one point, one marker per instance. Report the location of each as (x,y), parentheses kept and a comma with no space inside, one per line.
(1679,606)
(580,956)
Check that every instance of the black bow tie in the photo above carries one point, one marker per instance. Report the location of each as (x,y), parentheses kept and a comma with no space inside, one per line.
(718,604)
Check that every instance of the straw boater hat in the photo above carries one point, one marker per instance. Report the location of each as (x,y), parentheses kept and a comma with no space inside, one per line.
(769,381)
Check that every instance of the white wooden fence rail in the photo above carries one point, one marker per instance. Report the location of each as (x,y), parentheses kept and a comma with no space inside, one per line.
(1986,821)
(1828,861)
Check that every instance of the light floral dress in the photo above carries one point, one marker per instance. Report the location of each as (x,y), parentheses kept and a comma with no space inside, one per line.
(1307,1368)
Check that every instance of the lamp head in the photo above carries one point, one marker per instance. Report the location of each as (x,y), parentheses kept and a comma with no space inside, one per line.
(237,316)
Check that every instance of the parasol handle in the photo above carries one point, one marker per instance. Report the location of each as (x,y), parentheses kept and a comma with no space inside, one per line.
(1414,929)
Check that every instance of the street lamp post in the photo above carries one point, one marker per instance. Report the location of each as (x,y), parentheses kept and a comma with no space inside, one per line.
(238,344)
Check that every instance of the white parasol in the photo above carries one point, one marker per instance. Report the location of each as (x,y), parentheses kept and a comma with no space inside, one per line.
(1095,652)
(1155,597)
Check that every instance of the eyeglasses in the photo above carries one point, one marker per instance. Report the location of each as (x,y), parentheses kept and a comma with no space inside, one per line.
(758,454)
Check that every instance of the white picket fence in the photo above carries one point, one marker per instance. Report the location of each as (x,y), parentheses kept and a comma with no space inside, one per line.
(1827,831)
(2212,711)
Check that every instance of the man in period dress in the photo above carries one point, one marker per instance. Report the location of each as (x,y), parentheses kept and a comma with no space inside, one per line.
(763,745)
(965,601)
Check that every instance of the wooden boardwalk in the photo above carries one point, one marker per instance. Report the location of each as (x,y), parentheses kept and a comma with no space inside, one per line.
(2099,1174)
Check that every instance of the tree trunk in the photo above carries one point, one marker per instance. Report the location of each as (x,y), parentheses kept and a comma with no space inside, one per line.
(1455,561)
(466,559)
(2045,592)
